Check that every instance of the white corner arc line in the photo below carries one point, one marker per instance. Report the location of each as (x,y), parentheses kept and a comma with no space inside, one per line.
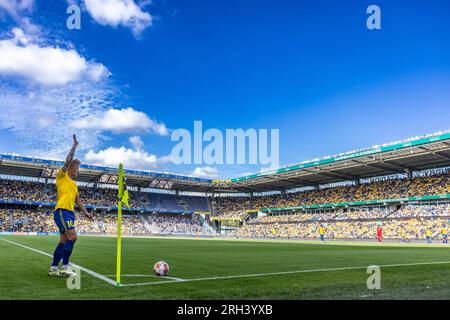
(88,271)
(285,273)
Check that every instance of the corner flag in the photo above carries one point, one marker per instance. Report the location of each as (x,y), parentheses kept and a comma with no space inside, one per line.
(122,196)
(123,192)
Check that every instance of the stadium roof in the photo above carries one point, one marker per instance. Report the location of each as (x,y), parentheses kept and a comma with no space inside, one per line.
(41,168)
(402,157)
(432,151)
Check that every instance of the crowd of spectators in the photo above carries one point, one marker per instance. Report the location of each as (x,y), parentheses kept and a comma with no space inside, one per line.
(181,224)
(42,221)
(377,190)
(26,221)
(297,217)
(410,222)
(421,211)
(341,223)
(392,229)
(25,191)
(107,223)
(40,192)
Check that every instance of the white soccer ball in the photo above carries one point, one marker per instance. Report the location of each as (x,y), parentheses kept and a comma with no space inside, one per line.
(161,268)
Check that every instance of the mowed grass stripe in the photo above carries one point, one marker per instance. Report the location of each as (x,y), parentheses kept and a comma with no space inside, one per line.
(88,271)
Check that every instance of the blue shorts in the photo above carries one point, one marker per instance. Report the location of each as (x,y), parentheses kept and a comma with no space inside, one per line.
(64,219)
(322,237)
(445,236)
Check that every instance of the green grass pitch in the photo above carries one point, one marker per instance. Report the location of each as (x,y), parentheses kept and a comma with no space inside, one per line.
(227,269)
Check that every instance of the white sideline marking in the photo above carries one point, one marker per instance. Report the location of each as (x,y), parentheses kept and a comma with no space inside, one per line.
(88,271)
(145,276)
(131,275)
(285,272)
(176,279)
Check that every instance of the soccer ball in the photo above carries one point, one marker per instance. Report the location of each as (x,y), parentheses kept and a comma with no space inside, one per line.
(161,268)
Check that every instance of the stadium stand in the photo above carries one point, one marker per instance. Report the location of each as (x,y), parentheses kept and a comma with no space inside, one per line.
(42,222)
(379,190)
(403,186)
(171,203)
(350,224)
(413,219)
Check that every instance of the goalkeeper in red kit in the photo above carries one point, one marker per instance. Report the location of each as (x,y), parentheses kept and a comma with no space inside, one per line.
(379,234)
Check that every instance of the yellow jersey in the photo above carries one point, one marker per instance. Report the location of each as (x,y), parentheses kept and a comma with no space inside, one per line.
(67,191)
(428,233)
(321,231)
(444,231)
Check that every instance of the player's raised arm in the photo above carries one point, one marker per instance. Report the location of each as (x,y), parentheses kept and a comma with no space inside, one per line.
(71,154)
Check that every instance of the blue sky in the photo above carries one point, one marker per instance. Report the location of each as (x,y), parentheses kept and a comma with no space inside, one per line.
(309,68)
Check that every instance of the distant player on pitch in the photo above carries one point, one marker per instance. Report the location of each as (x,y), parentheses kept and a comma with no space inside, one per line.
(428,234)
(322,233)
(379,234)
(403,235)
(444,235)
(64,214)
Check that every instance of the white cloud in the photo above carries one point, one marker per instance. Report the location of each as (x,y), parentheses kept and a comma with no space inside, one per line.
(16,7)
(119,13)
(45,65)
(137,142)
(266,169)
(206,172)
(246,173)
(112,157)
(123,120)
(39,116)
(165,159)
(19,10)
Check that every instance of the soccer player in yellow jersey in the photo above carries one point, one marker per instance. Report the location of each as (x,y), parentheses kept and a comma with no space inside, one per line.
(403,235)
(428,234)
(64,214)
(322,233)
(274,233)
(444,235)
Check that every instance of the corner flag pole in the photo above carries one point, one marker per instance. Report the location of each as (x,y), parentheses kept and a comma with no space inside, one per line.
(119,225)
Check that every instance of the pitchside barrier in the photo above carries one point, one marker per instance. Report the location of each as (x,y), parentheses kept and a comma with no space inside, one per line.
(29,233)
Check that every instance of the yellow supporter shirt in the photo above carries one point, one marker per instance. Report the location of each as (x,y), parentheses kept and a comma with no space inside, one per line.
(67,191)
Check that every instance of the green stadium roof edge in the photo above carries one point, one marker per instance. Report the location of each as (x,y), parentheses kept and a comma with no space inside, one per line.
(357,203)
(432,151)
(373,150)
(420,153)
